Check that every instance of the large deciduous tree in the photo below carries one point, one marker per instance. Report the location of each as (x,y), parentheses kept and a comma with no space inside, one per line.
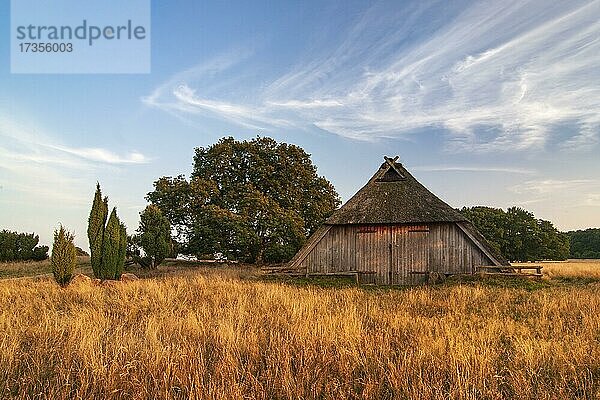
(253,200)
(585,243)
(518,235)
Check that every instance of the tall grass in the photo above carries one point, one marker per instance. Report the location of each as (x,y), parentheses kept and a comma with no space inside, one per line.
(572,268)
(18,269)
(217,336)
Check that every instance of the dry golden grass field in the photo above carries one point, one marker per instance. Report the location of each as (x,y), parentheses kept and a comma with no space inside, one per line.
(229,333)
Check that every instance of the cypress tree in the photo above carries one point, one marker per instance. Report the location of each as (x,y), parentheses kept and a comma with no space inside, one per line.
(96,226)
(111,248)
(64,256)
(108,240)
(122,250)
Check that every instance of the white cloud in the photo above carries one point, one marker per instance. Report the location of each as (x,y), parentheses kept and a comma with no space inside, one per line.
(44,171)
(547,186)
(458,168)
(497,76)
(102,155)
(24,143)
(593,200)
(314,103)
(249,117)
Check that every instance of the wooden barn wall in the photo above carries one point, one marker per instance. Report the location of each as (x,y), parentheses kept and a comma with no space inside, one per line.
(398,254)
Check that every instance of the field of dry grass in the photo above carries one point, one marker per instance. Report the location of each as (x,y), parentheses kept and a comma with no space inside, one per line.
(572,268)
(19,269)
(227,334)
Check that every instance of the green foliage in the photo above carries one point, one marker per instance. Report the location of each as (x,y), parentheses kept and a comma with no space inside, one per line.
(518,235)
(585,243)
(40,253)
(253,200)
(122,249)
(113,254)
(96,225)
(21,247)
(108,240)
(144,262)
(154,235)
(64,256)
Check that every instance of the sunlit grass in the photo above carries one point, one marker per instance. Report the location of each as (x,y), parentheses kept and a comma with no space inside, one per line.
(222,334)
(572,268)
(18,269)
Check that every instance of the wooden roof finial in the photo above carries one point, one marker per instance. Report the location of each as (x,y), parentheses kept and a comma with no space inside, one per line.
(391,162)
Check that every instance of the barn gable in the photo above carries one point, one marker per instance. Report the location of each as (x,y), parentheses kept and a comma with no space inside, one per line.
(397,230)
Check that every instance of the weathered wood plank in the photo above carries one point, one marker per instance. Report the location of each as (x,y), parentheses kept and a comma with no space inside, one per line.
(443,248)
(312,242)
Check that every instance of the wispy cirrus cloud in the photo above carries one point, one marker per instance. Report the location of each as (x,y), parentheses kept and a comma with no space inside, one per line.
(24,143)
(102,155)
(592,200)
(546,186)
(496,76)
(563,194)
(35,166)
(466,168)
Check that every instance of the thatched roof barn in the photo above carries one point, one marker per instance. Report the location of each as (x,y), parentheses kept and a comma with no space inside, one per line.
(395,231)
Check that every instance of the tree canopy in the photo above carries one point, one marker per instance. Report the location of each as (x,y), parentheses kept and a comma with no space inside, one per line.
(585,243)
(16,246)
(250,200)
(518,235)
(154,235)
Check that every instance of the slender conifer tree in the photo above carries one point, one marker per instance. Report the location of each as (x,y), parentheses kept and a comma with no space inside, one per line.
(111,247)
(96,224)
(64,256)
(108,239)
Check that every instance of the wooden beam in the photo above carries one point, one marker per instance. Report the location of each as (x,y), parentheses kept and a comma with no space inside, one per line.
(307,248)
(392,164)
(478,244)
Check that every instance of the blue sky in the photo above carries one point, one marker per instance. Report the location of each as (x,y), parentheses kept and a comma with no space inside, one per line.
(486,102)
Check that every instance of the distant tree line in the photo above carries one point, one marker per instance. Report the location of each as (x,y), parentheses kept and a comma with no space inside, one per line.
(518,235)
(16,246)
(253,201)
(585,243)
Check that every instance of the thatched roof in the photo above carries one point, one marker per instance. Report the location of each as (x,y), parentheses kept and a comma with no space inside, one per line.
(394,196)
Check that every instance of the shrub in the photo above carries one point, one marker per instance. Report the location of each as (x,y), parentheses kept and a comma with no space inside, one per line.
(40,253)
(143,262)
(64,256)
